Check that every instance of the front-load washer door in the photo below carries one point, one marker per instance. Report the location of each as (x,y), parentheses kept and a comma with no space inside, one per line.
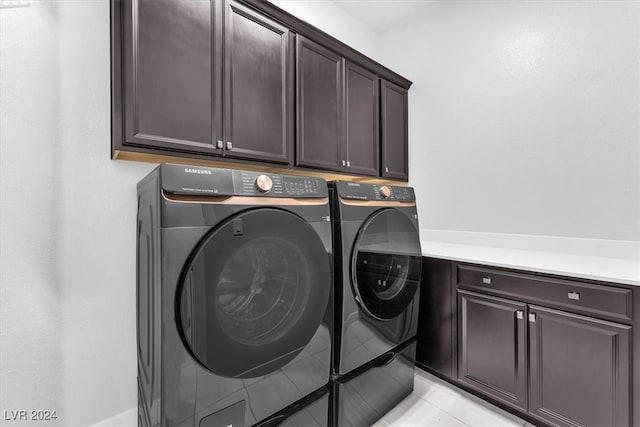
(254,293)
(386,264)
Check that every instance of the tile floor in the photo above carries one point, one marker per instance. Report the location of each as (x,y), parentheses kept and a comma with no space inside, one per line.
(437,403)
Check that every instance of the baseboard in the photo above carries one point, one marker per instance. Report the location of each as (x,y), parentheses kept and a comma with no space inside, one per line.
(128,418)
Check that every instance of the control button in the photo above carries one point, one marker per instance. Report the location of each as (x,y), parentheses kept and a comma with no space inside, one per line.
(385,191)
(264,183)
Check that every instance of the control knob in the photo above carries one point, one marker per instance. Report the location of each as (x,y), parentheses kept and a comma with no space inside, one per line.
(264,183)
(385,191)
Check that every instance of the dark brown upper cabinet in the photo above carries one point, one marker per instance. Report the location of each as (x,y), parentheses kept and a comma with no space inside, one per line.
(320,118)
(361,148)
(182,82)
(394,125)
(258,86)
(243,81)
(337,105)
(169,68)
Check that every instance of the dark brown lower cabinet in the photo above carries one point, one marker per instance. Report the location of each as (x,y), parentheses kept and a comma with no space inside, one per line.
(492,347)
(437,322)
(579,369)
(556,350)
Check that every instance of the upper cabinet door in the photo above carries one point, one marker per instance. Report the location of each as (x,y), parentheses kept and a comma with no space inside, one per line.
(319,106)
(258,86)
(169,89)
(361,101)
(394,123)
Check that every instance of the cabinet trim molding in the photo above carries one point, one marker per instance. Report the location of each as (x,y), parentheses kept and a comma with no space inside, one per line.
(311,32)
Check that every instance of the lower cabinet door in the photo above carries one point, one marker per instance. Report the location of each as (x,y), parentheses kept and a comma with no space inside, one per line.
(579,369)
(492,347)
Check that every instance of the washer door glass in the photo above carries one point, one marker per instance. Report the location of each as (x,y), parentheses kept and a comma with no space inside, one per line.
(254,293)
(386,264)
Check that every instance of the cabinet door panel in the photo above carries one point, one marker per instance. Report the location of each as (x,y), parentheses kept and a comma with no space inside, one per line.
(319,105)
(395,137)
(361,102)
(492,347)
(579,369)
(169,96)
(258,86)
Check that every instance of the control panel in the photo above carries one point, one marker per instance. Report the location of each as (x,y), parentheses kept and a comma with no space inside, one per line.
(199,180)
(381,192)
(277,185)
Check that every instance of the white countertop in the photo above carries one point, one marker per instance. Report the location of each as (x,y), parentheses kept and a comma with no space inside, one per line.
(584,258)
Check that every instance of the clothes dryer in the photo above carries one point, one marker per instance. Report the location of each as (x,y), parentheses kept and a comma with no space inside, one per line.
(233,294)
(378,263)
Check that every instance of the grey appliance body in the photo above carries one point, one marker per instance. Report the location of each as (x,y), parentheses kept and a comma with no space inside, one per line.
(234,296)
(378,264)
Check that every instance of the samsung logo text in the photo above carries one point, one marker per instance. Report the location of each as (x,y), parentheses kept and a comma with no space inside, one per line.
(198,171)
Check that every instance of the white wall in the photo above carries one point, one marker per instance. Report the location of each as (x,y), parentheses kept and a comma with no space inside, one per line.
(524,115)
(67,219)
(68,216)
(30,312)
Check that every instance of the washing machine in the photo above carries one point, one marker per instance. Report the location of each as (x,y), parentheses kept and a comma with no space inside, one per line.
(378,263)
(234,297)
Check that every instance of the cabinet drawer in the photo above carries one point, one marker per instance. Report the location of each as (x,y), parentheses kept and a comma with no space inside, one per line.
(598,300)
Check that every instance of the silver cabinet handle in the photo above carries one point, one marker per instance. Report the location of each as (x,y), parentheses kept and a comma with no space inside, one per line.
(229,145)
(574,295)
(220,144)
(532,317)
(348,163)
(519,314)
(486,280)
(386,169)
(344,163)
